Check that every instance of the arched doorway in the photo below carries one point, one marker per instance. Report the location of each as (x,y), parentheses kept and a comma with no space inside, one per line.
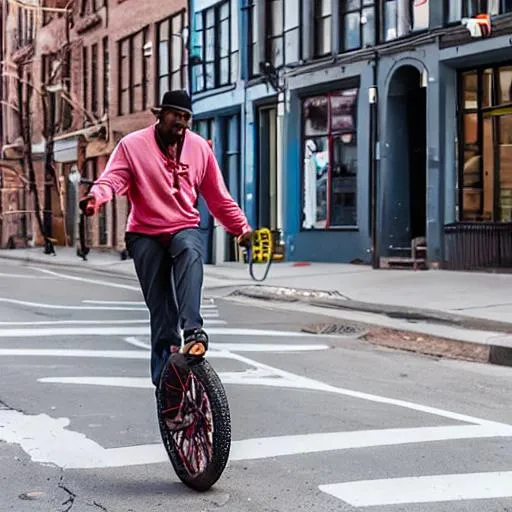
(404,188)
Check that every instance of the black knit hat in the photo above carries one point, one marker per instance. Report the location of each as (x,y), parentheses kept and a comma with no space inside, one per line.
(177,100)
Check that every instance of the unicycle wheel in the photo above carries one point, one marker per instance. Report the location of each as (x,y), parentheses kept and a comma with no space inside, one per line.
(194,421)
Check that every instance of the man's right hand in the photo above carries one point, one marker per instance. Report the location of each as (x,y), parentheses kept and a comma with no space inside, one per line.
(245,239)
(88,205)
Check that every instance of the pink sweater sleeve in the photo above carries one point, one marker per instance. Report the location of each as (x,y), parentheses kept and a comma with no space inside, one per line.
(220,203)
(115,179)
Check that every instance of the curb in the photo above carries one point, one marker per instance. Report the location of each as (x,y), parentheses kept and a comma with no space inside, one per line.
(435,346)
(336,301)
(443,347)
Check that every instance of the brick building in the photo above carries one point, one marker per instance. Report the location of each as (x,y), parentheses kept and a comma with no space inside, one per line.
(90,71)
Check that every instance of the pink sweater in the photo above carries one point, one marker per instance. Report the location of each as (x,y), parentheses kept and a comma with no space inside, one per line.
(163,193)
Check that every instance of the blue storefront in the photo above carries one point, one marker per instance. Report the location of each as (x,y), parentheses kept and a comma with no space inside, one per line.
(217,104)
(357,152)
(238,116)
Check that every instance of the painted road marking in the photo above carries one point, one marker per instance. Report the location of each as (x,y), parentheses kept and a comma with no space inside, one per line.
(243,347)
(278,446)
(39,305)
(144,331)
(79,322)
(87,280)
(321,386)
(47,440)
(115,302)
(287,379)
(423,489)
(50,352)
(25,276)
(130,303)
(132,340)
(217,350)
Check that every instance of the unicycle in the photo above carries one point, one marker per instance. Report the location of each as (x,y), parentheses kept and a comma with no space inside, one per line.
(194,420)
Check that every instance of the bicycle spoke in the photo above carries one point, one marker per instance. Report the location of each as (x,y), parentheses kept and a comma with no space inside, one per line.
(191,419)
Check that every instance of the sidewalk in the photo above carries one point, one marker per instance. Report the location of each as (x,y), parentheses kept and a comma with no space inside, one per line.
(463,300)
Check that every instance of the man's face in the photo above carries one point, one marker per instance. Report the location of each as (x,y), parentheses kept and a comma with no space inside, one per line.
(173,122)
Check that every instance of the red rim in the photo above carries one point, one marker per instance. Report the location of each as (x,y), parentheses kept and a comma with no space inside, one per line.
(188,416)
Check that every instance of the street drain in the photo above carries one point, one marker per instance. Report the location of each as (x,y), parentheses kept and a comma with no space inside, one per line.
(333,328)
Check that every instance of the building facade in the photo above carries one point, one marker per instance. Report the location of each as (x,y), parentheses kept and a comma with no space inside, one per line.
(367,128)
(358,131)
(80,75)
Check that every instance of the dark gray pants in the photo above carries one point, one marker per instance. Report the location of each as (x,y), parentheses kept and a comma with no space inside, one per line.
(170,273)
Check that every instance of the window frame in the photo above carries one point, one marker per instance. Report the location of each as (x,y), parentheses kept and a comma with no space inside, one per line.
(88,7)
(282,32)
(106,74)
(25,26)
(318,21)
(217,57)
(330,135)
(381,33)
(466,12)
(94,78)
(377,6)
(252,39)
(495,111)
(144,34)
(380,20)
(171,42)
(85,79)
(122,89)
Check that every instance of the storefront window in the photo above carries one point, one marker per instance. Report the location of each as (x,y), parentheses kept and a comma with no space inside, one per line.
(330,160)
(506,84)
(457,9)
(505,154)
(486,145)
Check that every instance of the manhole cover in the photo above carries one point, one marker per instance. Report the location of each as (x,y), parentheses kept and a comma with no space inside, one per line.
(333,328)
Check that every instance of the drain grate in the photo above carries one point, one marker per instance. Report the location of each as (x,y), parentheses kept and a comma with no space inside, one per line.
(334,328)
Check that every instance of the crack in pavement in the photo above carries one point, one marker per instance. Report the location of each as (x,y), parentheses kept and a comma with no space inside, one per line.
(6,407)
(99,505)
(71,496)
(483,307)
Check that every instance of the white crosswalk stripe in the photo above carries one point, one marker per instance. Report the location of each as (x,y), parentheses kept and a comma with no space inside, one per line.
(423,489)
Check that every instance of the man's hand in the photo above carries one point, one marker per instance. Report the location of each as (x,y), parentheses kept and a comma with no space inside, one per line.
(245,239)
(88,205)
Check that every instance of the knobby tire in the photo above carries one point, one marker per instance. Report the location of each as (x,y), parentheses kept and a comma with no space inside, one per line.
(198,376)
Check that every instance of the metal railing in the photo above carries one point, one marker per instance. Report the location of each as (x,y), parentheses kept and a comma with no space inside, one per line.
(478,245)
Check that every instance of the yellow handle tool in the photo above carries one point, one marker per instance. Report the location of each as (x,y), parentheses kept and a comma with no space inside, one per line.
(261,251)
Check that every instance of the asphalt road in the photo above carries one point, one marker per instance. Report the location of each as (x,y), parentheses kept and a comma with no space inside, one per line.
(319,423)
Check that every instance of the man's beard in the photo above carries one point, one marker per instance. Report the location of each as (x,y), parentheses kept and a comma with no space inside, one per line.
(173,136)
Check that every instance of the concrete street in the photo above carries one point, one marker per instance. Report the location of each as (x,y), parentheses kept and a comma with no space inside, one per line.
(323,423)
